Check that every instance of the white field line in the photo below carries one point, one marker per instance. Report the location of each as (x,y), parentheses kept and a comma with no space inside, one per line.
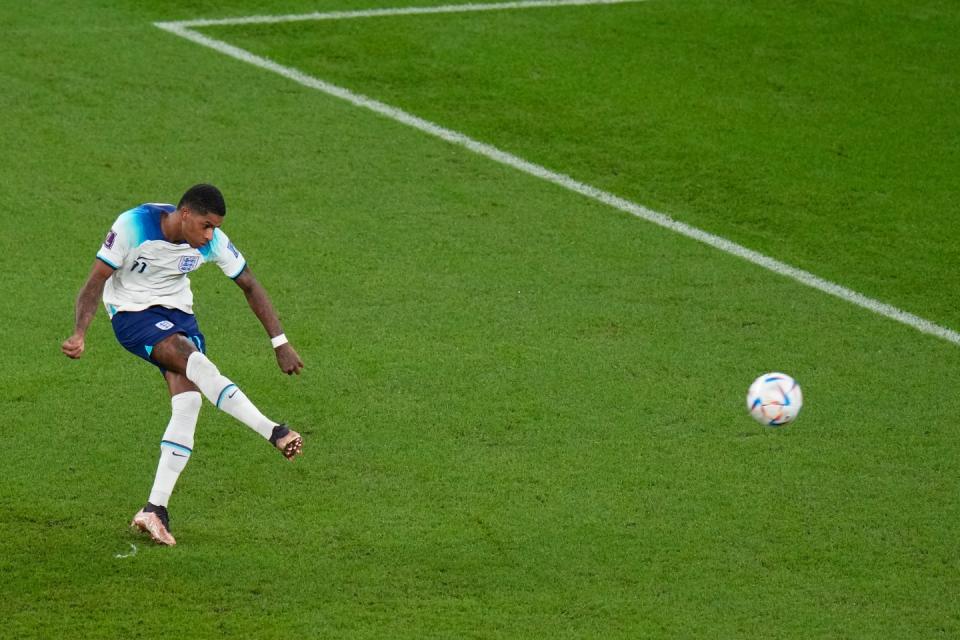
(881,308)
(400,11)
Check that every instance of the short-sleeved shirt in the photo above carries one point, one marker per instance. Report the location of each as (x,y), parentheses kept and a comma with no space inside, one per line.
(151,271)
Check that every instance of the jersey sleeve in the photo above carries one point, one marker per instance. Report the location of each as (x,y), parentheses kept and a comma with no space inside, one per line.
(120,239)
(221,251)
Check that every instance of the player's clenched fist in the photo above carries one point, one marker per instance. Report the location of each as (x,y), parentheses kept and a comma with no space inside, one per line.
(73,346)
(288,360)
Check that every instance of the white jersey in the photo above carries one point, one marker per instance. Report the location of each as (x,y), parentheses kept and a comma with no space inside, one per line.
(151,271)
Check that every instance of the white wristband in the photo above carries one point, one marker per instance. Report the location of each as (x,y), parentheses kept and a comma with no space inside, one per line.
(279,340)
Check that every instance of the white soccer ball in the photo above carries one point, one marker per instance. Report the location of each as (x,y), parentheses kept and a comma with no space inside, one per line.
(774,399)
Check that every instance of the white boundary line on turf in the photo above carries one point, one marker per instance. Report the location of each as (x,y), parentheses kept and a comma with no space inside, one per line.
(183,30)
(400,11)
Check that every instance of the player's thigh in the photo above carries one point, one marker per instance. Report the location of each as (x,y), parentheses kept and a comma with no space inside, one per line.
(172,352)
(141,331)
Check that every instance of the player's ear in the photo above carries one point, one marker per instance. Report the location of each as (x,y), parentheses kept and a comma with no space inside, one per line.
(188,214)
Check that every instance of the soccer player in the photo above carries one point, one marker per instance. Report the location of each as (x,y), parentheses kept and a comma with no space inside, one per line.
(141,273)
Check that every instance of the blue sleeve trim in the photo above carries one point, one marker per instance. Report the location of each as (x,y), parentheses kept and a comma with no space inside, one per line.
(113,266)
(239,273)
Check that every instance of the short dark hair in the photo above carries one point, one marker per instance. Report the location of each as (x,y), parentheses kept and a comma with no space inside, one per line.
(204,199)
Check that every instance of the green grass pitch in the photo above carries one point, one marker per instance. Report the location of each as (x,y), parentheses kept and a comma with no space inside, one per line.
(523,410)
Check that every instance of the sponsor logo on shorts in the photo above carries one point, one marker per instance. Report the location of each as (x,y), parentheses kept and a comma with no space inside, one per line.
(110,239)
(163,325)
(188,263)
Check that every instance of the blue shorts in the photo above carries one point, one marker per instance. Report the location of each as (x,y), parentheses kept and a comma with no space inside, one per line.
(139,331)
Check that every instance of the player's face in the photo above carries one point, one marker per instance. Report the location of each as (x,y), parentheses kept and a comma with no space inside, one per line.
(198,228)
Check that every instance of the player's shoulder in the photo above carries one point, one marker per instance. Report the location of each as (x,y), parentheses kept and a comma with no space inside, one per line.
(219,245)
(142,223)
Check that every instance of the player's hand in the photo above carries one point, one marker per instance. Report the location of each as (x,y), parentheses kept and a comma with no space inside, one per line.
(73,346)
(288,359)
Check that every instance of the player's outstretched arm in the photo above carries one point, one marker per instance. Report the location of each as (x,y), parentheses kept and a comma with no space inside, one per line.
(259,302)
(86,308)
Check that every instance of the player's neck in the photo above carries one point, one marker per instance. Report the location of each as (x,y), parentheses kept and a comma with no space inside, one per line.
(170,226)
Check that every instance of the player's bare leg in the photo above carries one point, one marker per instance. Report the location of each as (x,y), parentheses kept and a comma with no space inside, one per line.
(180,355)
(178,383)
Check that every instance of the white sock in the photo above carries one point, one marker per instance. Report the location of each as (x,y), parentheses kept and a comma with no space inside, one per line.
(219,390)
(177,445)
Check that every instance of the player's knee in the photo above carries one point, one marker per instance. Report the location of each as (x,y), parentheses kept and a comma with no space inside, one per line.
(173,352)
(199,368)
(179,383)
(207,377)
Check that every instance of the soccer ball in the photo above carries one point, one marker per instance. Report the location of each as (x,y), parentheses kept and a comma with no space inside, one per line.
(774,399)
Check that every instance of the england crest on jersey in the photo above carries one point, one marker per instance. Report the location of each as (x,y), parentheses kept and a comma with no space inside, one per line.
(188,263)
